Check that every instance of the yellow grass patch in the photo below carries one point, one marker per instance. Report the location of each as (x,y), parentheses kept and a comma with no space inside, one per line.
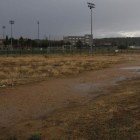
(22,70)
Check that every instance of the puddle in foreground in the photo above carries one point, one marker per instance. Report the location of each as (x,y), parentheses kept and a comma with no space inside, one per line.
(131,68)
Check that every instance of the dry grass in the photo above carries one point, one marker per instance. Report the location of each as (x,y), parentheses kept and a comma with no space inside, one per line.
(26,69)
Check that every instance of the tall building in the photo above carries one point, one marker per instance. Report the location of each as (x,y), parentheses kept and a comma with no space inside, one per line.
(86,39)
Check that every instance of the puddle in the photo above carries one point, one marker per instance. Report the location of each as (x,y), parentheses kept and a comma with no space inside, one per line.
(87,88)
(136,70)
(133,58)
(131,68)
(130,58)
(121,78)
(84,87)
(137,73)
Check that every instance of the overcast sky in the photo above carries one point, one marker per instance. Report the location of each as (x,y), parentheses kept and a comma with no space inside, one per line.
(111,18)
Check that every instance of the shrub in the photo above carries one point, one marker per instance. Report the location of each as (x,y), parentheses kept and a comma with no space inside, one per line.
(122,46)
(12,138)
(34,137)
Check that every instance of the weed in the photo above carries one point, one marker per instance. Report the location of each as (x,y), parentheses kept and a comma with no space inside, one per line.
(34,137)
(12,138)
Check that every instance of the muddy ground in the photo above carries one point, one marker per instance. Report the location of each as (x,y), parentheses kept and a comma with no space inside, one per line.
(77,107)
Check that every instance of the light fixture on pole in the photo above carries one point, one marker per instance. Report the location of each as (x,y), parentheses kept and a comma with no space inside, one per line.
(11,22)
(91,5)
(3,31)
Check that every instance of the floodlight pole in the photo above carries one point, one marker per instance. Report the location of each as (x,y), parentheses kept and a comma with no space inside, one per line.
(91,33)
(11,35)
(38,33)
(38,29)
(11,22)
(49,40)
(3,31)
(91,5)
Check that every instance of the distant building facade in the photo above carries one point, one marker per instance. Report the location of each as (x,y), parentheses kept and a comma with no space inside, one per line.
(86,39)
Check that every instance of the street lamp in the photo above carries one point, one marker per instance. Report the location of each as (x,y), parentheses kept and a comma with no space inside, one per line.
(91,5)
(11,22)
(3,31)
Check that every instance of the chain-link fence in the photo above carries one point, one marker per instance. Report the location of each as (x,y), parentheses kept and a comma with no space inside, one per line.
(43,51)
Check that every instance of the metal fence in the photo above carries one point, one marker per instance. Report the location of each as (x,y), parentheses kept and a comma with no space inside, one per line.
(96,51)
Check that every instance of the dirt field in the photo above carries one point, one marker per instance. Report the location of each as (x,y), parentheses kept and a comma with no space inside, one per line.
(98,104)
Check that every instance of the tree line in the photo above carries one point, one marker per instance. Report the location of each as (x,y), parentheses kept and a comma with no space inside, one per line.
(129,41)
(16,43)
(19,42)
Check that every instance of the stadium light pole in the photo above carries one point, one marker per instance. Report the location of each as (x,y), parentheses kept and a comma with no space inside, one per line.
(91,5)
(38,29)
(11,22)
(38,33)
(3,31)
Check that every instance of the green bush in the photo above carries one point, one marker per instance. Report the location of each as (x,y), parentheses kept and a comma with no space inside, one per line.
(11,138)
(34,137)
(122,46)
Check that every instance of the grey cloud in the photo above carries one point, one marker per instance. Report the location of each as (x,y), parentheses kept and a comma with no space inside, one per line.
(70,17)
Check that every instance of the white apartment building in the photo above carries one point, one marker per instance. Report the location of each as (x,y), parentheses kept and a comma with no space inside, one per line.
(86,39)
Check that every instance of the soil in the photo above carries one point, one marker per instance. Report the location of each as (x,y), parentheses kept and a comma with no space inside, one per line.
(31,102)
